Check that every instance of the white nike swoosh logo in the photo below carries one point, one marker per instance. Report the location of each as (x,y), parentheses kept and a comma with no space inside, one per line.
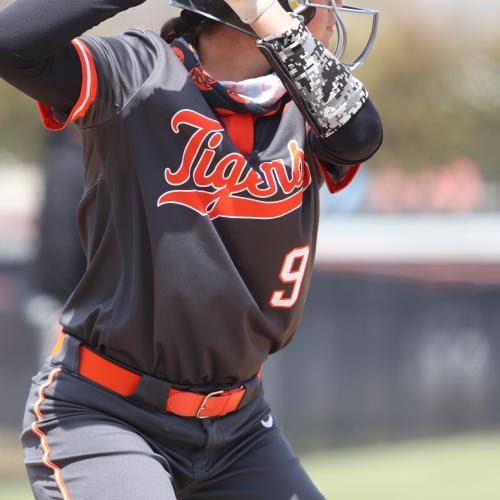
(268,422)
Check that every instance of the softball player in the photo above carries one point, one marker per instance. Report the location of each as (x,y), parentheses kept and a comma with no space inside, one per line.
(204,151)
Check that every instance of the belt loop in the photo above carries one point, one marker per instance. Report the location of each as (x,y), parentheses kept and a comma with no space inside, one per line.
(152,391)
(68,355)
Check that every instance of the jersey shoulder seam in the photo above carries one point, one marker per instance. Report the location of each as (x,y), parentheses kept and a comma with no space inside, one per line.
(134,95)
(138,90)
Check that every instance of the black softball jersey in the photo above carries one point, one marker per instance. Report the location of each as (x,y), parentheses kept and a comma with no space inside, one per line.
(198,220)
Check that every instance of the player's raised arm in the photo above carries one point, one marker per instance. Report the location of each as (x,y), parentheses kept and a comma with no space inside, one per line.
(345,126)
(36,53)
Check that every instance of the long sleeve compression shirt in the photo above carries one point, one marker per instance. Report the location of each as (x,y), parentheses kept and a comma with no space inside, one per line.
(37,57)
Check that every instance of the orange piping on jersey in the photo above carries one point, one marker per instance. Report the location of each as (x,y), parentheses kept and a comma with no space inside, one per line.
(43,438)
(178,52)
(335,187)
(240,128)
(87,93)
(58,345)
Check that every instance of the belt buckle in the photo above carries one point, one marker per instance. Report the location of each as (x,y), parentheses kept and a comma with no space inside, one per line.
(203,405)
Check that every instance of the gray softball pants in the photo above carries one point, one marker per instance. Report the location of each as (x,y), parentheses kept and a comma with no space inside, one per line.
(83,442)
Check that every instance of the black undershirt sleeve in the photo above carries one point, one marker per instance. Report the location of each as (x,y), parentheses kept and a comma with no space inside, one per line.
(354,143)
(36,55)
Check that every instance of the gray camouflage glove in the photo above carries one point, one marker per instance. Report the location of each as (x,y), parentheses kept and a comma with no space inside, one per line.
(327,94)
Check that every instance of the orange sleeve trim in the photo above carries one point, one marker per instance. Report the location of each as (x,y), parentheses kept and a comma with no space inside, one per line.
(335,187)
(43,438)
(87,93)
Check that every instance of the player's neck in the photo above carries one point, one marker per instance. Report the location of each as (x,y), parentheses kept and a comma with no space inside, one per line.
(227,54)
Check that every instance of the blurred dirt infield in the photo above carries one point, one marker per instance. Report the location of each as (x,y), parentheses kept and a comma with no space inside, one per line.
(460,468)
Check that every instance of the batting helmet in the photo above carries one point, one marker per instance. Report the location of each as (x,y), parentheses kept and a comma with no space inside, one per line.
(218,10)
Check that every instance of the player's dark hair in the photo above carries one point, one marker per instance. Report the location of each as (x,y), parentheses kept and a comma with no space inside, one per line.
(187,23)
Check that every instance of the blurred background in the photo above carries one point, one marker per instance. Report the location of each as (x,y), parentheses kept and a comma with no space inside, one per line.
(391,388)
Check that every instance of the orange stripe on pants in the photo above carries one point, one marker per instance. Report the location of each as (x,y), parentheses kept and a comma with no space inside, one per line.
(43,438)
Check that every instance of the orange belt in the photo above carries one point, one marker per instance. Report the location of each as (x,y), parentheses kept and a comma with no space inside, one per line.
(184,403)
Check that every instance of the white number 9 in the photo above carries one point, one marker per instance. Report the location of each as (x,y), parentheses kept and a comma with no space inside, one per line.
(291,273)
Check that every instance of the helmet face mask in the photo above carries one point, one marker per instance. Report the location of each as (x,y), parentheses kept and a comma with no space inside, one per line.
(218,10)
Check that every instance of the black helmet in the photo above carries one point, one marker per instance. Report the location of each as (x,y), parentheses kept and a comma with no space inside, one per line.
(218,10)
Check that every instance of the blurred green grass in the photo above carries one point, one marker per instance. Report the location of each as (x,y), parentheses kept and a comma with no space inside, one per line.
(459,468)
(15,489)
